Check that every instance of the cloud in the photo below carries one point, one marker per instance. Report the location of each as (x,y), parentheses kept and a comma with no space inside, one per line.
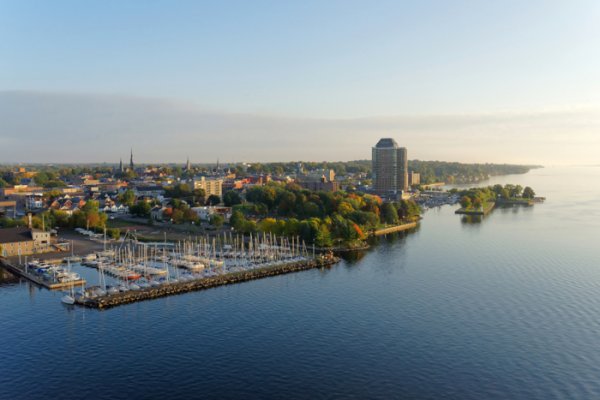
(59,127)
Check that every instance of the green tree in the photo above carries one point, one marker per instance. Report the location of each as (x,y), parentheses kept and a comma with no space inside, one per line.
(528,193)
(237,220)
(232,198)
(323,237)
(217,220)
(213,200)
(127,197)
(113,233)
(389,213)
(141,209)
(465,202)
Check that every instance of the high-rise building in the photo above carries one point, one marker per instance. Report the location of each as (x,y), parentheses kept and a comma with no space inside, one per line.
(390,167)
(414,178)
(210,186)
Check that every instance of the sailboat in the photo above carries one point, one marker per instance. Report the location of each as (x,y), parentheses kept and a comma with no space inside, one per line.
(69,298)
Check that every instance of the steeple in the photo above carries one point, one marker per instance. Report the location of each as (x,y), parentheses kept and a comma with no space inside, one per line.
(188,166)
(131,160)
(120,164)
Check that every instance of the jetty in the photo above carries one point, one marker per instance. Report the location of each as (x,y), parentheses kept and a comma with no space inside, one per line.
(174,288)
(395,228)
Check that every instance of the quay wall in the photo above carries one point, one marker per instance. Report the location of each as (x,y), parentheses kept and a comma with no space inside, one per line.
(396,228)
(114,300)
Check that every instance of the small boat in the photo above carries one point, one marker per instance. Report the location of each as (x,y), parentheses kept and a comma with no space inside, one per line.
(133,286)
(132,276)
(143,284)
(67,299)
(112,290)
(90,257)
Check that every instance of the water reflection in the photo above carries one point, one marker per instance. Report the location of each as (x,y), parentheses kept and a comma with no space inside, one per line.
(472,219)
(6,278)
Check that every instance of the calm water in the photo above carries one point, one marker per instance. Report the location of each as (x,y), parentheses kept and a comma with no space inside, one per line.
(505,308)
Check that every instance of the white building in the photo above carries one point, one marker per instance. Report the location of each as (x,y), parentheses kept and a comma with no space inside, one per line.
(204,213)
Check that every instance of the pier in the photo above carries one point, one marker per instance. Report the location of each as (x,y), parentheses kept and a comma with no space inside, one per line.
(53,285)
(174,288)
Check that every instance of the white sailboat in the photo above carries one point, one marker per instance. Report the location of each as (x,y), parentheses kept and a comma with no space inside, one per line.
(69,298)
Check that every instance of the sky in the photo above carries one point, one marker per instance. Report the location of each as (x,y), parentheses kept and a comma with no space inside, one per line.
(471,81)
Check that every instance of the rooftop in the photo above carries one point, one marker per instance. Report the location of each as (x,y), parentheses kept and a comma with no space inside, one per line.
(386,143)
(12,235)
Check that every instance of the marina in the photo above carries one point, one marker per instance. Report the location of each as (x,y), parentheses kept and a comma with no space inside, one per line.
(47,275)
(132,271)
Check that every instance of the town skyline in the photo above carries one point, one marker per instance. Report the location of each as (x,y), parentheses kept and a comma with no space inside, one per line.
(160,128)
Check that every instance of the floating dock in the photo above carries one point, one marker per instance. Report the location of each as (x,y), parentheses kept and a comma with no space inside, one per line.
(38,280)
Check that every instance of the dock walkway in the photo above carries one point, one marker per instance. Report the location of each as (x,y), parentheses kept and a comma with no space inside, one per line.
(169,289)
(36,279)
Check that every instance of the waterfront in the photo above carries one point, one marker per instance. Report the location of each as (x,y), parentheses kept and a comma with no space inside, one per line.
(508,307)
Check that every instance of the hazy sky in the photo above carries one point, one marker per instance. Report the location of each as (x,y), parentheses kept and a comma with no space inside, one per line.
(503,81)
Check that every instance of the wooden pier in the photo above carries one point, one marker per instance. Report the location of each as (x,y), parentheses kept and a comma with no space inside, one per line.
(169,289)
(36,279)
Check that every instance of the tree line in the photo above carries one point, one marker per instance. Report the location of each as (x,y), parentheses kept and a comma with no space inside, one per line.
(321,218)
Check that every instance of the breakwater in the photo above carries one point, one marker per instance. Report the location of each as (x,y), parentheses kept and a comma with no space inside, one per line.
(395,228)
(169,289)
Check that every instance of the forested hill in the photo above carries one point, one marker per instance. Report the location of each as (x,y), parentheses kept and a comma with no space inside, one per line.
(431,171)
(453,172)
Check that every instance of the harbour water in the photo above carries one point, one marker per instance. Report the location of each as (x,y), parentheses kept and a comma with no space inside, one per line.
(503,307)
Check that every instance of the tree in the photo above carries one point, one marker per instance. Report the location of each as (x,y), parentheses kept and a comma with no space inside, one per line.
(286,201)
(345,208)
(141,209)
(113,233)
(237,220)
(127,197)
(477,203)
(323,237)
(213,200)
(232,198)
(528,193)
(518,190)
(389,213)
(217,220)
(177,216)
(465,202)
(267,225)
(199,196)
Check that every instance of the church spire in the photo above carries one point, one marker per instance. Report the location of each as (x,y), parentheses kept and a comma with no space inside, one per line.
(131,159)
(188,166)
(120,164)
